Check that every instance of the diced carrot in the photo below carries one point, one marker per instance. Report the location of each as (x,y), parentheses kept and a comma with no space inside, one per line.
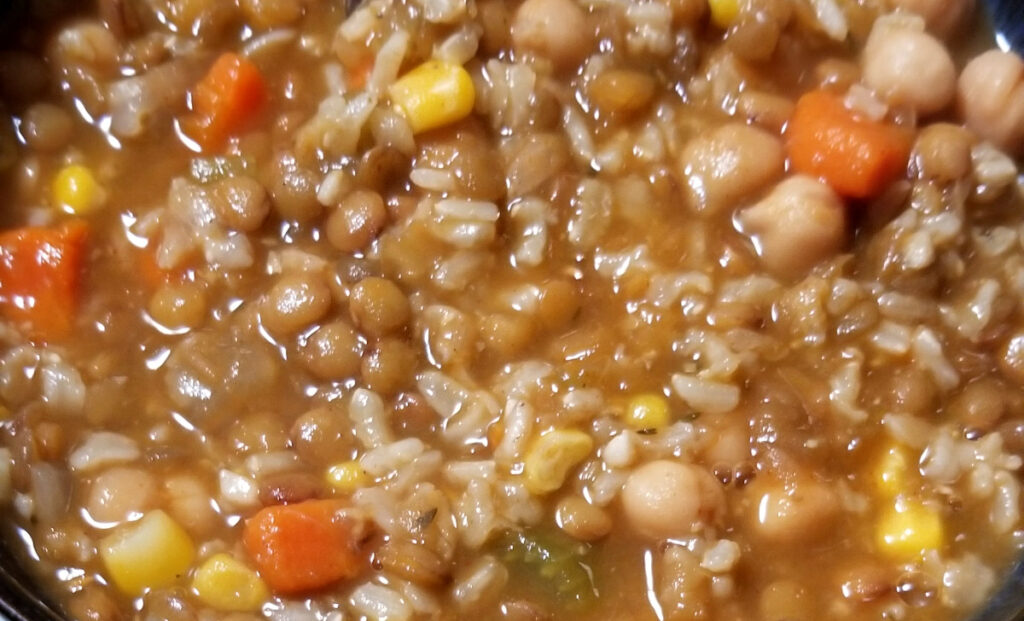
(302,546)
(40,274)
(230,95)
(858,157)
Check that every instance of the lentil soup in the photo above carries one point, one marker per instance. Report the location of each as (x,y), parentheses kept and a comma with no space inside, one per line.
(577,309)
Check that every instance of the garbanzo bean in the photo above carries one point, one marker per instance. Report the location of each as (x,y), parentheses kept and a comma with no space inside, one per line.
(801,222)
(799,510)
(722,166)
(990,94)
(943,17)
(295,302)
(582,520)
(621,91)
(554,29)
(333,352)
(388,367)
(378,306)
(943,152)
(179,304)
(119,493)
(909,68)
(356,221)
(671,499)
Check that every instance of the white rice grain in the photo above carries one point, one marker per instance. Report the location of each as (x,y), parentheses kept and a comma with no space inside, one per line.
(482,581)
(706,396)
(369,419)
(389,458)
(928,353)
(379,602)
(100,449)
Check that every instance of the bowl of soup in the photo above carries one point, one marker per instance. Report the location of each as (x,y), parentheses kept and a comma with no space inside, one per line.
(472,309)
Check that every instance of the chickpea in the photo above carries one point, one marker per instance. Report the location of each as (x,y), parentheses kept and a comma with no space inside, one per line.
(357,221)
(801,222)
(800,510)
(118,493)
(190,503)
(728,163)
(294,302)
(582,520)
(909,68)
(668,499)
(943,17)
(621,91)
(240,203)
(943,152)
(333,352)
(554,29)
(46,127)
(378,306)
(991,98)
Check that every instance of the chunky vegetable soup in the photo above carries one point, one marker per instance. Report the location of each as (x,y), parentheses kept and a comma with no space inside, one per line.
(484,309)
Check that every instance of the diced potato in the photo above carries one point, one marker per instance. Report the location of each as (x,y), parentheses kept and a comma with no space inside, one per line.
(346,477)
(551,456)
(909,529)
(433,95)
(76,191)
(152,553)
(227,584)
(647,411)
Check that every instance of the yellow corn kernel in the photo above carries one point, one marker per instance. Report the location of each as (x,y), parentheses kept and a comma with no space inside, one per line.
(891,473)
(149,554)
(347,477)
(551,456)
(724,12)
(228,585)
(76,191)
(647,411)
(433,95)
(908,529)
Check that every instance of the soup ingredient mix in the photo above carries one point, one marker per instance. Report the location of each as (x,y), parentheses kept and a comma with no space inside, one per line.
(691,310)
